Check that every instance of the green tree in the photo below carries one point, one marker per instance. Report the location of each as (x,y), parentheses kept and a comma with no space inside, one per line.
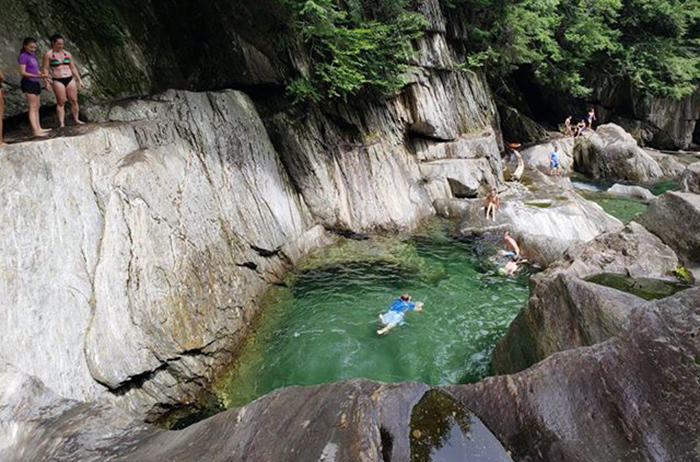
(363,46)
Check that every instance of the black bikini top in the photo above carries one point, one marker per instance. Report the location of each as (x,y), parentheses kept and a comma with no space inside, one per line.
(56,62)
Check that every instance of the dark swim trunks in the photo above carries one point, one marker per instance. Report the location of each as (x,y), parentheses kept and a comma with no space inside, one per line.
(29,86)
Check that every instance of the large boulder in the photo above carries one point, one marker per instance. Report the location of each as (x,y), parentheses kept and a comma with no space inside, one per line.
(538,156)
(352,421)
(690,182)
(611,153)
(675,218)
(546,217)
(565,312)
(633,398)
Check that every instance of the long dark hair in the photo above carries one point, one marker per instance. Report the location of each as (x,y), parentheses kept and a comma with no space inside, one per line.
(55,38)
(25,42)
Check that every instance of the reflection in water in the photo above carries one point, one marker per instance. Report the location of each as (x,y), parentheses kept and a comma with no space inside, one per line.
(442,430)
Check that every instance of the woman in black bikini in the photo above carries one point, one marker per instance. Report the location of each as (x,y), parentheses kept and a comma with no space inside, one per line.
(66,80)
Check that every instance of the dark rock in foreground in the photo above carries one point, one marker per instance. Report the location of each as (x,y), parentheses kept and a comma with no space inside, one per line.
(632,398)
(351,421)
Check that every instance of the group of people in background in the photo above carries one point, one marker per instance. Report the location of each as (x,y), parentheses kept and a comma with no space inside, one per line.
(57,73)
(578,129)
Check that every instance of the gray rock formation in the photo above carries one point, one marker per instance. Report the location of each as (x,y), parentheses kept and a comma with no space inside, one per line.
(351,421)
(546,217)
(135,252)
(611,153)
(675,218)
(690,182)
(565,312)
(538,156)
(633,397)
(636,192)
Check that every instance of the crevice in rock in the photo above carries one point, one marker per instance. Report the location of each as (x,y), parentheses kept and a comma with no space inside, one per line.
(387,443)
(348,234)
(265,253)
(248,264)
(137,381)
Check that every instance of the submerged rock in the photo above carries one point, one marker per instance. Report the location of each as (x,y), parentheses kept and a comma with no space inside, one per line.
(632,398)
(636,192)
(351,421)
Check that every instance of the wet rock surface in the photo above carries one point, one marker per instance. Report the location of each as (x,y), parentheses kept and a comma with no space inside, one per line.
(633,397)
(352,421)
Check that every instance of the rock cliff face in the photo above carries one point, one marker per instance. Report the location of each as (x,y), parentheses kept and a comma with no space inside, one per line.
(152,235)
(135,251)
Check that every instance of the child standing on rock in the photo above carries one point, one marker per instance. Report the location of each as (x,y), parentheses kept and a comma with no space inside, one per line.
(491,204)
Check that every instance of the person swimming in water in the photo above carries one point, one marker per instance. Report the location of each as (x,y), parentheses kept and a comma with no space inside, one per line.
(66,80)
(491,204)
(395,315)
(512,266)
(31,83)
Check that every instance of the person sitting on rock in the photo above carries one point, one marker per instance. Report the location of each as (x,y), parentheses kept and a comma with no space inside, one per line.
(580,127)
(395,315)
(591,118)
(554,165)
(512,249)
(2,106)
(491,204)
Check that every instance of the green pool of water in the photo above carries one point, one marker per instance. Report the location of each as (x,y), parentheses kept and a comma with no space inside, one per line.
(322,327)
(621,208)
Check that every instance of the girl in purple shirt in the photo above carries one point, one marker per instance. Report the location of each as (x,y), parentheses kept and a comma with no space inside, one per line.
(31,83)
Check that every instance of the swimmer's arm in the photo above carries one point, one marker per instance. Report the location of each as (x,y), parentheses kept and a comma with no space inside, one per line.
(45,71)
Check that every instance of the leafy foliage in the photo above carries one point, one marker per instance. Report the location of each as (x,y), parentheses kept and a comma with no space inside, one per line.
(655,42)
(361,47)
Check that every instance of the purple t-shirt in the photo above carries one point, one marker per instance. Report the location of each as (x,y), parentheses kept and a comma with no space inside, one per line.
(32,64)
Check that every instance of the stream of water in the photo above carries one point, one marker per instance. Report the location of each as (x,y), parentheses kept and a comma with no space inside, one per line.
(322,327)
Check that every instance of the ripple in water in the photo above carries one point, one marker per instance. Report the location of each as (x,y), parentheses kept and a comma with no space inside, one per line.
(322,328)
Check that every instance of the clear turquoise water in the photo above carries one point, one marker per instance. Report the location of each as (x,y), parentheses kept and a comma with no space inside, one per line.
(322,327)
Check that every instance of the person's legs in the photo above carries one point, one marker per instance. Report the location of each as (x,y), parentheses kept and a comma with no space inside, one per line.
(33,102)
(386,329)
(60,92)
(489,210)
(72,93)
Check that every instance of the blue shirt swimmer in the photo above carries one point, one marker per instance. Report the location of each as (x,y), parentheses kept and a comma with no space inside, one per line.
(398,309)
(554,162)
